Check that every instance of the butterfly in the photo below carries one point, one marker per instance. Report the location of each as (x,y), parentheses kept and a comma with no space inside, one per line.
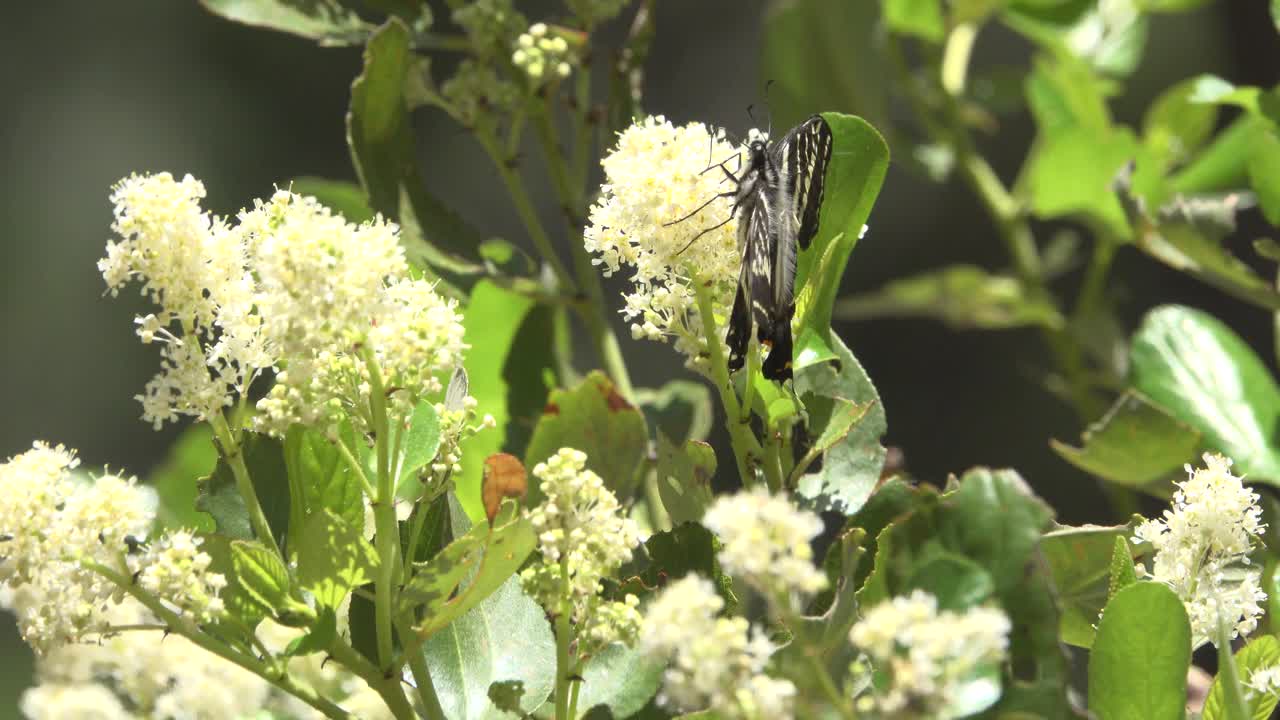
(777,202)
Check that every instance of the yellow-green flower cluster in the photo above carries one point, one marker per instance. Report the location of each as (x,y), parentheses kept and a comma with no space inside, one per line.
(541,54)
(583,537)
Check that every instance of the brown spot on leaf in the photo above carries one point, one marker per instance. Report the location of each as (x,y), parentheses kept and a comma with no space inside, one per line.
(551,409)
(615,401)
(504,477)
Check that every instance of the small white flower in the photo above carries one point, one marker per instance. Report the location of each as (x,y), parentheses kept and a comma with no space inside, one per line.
(175,570)
(766,543)
(648,218)
(583,536)
(715,662)
(926,654)
(1201,549)
(537,49)
(1265,681)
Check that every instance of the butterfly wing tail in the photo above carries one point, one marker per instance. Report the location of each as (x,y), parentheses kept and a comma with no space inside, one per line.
(739,328)
(777,334)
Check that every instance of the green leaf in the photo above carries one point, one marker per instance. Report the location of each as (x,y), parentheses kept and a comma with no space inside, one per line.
(1187,235)
(326,21)
(420,446)
(530,374)
(487,555)
(319,638)
(334,557)
(321,479)
(1175,126)
(956,581)
(1063,93)
(219,496)
(1137,443)
(345,198)
(961,296)
(1072,173)
(1223,164)
(684,478)
(1261,652)
(668,556)
(1170,5)
(1081,562)
(505,638)
(260,574)
(621,678)
(804,39)
(594,418)
(922,18)
(1138,666)
(191,457)
(1213,90)
(1203,373)
(243,608)
(859,161)
(377,123)
(1264,172)
(1123,574)
(832,393)
(680,409)
(492,319)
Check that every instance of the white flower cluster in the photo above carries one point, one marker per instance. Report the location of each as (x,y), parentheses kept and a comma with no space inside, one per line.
(926,655)
(290,287)
(1264,681)
(142,674)
(1202,549)
(766,544)
(538,51)
(176,569)
(52,524)
(716,662)
(648,216)
(584,537)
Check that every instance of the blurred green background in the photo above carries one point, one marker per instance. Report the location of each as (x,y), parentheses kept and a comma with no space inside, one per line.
(94,91)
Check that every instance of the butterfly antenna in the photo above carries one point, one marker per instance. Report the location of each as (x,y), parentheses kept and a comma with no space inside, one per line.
(702,232)
(699,209)
(769,105)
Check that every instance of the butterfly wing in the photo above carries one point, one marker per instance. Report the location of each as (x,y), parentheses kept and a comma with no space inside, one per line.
(802,156)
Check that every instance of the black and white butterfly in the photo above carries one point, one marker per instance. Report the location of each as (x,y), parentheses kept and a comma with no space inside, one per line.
(777,202)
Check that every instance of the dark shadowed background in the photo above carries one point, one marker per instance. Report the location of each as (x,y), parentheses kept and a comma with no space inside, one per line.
(94,91)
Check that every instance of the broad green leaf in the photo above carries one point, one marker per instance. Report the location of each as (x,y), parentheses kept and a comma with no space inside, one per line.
(243,607)
(530,374)
(1072,173)
(1137,443)
(1261,652)
(191,457)
(1138,666)
(1105,38)
(1187,234)
(892,500)
(594,418)
(220,497)
(1264,172)
(1213,90)
(420,445)
(1223,165)
(811,348)
(334,558)
(684,478)
(961,296)
(621,678)
(922,18)
(851,466)
(504,638)
(1205,375)
(378,121)
(321,480)
(680,409)
(260,574)
(468,570)
(1080,560)
(859,161)
(1063,93)
(492,318)
(804,40)
(345,198)
(326,21)
(1123,573)
(319,638)
(1174,126)
(956,581)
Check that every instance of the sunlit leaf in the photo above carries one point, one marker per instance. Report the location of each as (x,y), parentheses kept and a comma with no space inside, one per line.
(1138,666)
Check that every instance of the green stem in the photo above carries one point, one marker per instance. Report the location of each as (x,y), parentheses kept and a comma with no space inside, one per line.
(829,687)
(182,625)
(387,686)
(773,462)
(524,207)
(357,468)
(422,677)
(1236,705)
(384,511)
(564,636)
(233,453)
(659,518)
(745,446)
(573,699)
